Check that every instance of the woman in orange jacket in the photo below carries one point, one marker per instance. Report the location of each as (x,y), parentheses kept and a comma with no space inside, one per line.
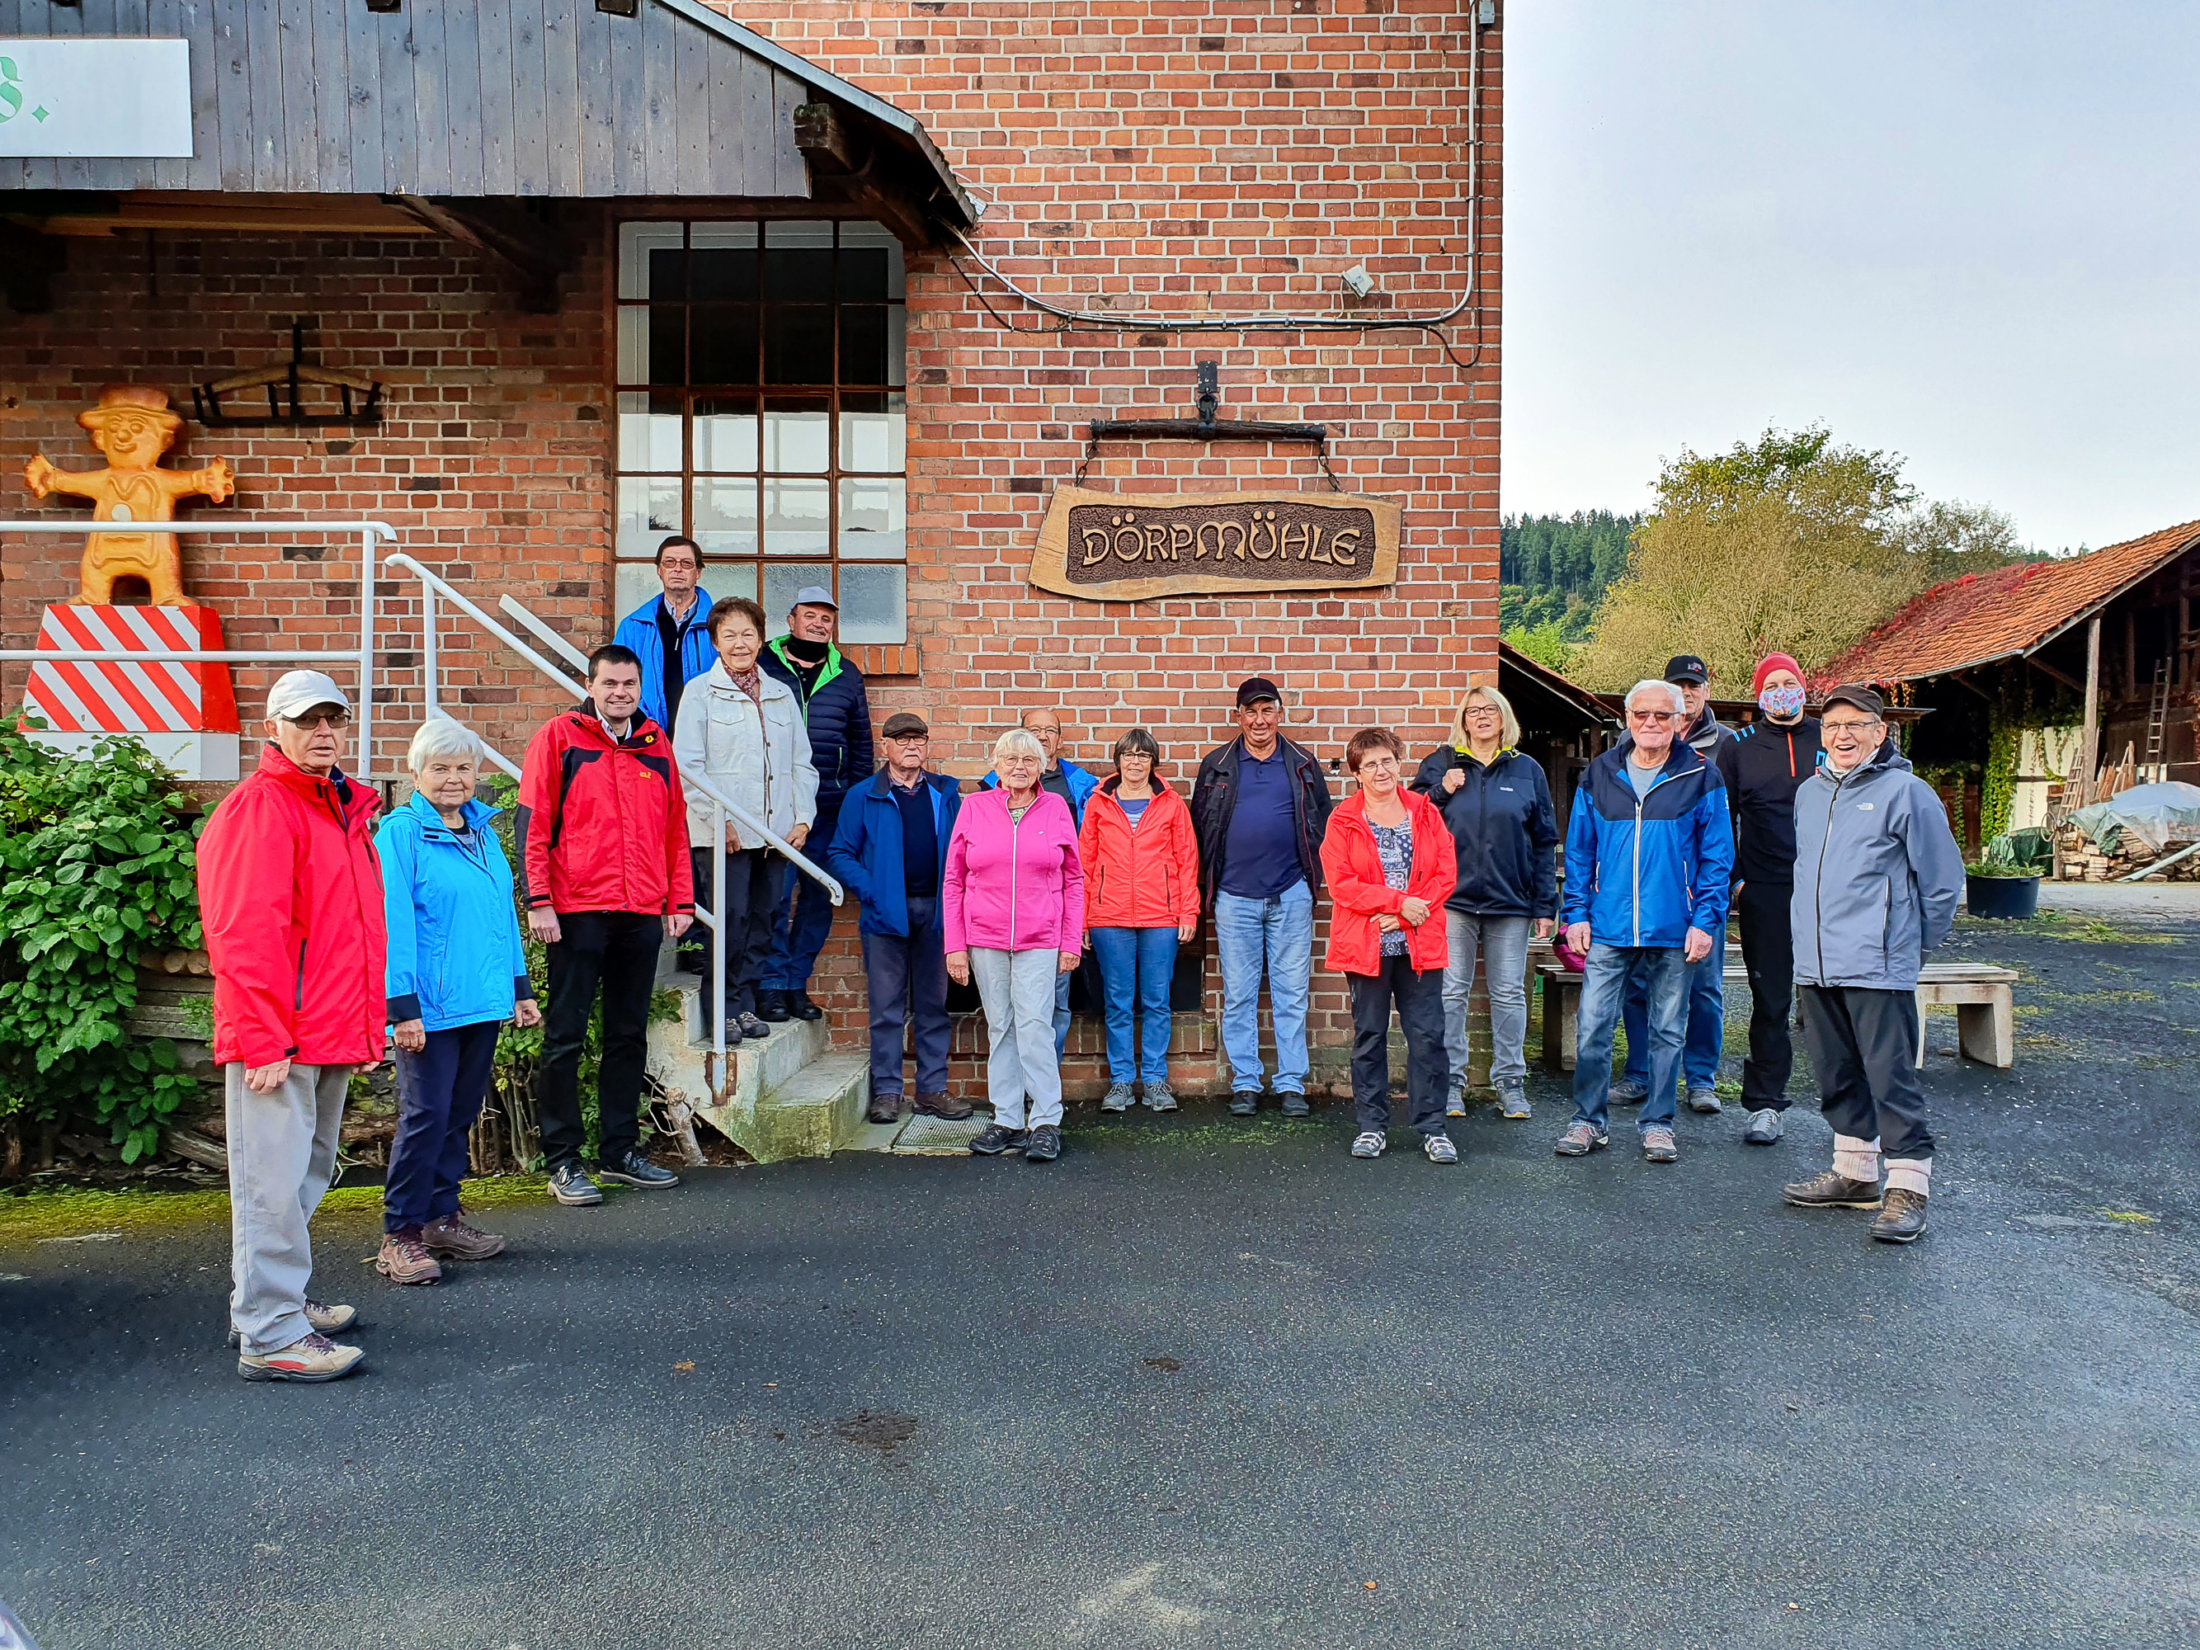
(1141,863)
(1390,865)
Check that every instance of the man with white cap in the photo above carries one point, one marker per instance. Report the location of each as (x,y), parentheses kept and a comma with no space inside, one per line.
(838,713)
(290,894)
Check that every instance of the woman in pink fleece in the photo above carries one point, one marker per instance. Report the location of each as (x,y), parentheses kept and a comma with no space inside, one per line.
(1012,904)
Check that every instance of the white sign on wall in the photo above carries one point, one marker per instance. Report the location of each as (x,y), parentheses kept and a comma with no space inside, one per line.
(95,99)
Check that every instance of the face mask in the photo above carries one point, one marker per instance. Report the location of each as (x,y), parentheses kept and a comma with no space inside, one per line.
(1781,703)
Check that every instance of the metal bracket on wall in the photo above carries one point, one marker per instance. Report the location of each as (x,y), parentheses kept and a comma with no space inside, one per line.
(285,406)
(1206,427)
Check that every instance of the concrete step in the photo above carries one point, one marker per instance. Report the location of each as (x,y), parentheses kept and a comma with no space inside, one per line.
(762,1096)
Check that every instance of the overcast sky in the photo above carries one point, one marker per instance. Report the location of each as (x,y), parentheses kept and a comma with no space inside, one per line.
(1967,231)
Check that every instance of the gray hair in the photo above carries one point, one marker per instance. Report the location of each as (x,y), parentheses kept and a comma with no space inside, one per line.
(1020,742)
(439,736)
(1680,705)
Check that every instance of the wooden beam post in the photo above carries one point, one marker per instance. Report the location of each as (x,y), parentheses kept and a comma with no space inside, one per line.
(2089,742)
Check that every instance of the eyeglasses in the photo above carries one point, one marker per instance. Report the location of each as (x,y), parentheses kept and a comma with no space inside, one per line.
(321,719)
(1832,728)
(910,739)
(1476,713)
(1651,715)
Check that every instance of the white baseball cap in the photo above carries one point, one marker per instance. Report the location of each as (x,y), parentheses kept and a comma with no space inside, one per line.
(299,691)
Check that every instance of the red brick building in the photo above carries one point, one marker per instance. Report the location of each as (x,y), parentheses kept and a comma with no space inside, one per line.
(837,288)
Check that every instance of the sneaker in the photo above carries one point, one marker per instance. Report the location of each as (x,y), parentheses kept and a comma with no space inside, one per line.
(1512,1102)
(1369,1143)
(1045,1144)
(1764,1127)
(884,1108)
(1627,1092)
(329,1320)
(457,1239)
(1832,1191)
(1158,1097)
(772,1006)
(1658,1146)
(800,1006)
(1705,1101)
(1245,1102)
(938,1105)
(312,1358)
(1580,1139)
(992,1140)
(1440,1149)
(751,1025)
(405,1259)
(1118,1098)
(570,1185)
(637,1171)
(1294,1104)
(1903,1219)
(1455,1105)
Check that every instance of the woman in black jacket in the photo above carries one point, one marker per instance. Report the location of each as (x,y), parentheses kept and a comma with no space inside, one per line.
(1497,805)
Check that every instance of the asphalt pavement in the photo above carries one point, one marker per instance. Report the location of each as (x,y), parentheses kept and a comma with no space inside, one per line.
(1199,1383)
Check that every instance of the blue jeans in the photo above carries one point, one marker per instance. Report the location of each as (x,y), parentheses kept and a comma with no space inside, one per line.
(1275,936)
(1136,965)
(805,917)
(1061,1016)
(1705,1039)
(1611,969)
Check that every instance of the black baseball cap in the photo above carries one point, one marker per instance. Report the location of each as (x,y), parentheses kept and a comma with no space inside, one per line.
(1254,689)
(1686,667)
(1857,694)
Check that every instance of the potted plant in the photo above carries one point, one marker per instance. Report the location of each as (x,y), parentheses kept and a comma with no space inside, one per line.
(2006,880)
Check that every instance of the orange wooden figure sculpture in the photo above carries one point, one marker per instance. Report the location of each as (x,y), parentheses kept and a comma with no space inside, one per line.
(132,426)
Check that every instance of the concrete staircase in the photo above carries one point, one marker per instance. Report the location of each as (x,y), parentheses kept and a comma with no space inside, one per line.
(789,1095)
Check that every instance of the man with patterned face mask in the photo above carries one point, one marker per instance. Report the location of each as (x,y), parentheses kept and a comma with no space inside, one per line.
(1763,770)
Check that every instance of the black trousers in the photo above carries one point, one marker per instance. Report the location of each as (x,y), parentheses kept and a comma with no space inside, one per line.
(752,900)
(1768,952)
(1419,1000)
(1863,1045)
(616,950)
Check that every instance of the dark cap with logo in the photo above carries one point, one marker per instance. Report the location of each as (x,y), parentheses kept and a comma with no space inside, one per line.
(1686,667)
(1856,694)
(1254,689)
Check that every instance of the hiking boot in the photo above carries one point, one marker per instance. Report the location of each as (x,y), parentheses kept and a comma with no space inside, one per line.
(1158,1097)
(405,1259)
(1512,1102)
(1294,1104)
(570,1185)
(752,1025)
(1764,1127)
(938,1105)
(1045,1144)
(1369,1143)
(1580,1139)
(1118,1098)
(1832,1191)
(772,1006)
(1903,1219)
(455,1238)
(800,1006)
(1627,1092)
(884,1108)
(1455,1104)
(1245,1102)
(1439,1148)
(1658,1146)
(312,1358)
(637,1171)
(329,1320)
(992,1140)
(1704,1100)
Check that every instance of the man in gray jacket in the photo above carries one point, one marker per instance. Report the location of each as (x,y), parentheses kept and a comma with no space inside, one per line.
(1877,873)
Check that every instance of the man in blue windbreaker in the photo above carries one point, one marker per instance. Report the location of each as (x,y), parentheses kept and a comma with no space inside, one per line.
(1649,857)
(670,633)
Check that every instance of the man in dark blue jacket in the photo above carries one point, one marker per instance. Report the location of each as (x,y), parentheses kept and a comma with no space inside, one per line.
(669,632)
(1649,858)
(890,848)
(838,713)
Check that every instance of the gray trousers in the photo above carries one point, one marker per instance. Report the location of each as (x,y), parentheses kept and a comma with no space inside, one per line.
(1503,942)
(282,1155)
(1023,1075)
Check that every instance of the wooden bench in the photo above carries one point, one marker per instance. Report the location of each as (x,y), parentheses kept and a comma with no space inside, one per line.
(1986,1018)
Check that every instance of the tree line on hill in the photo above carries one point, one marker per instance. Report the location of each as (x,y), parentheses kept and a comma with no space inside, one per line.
(1793,542)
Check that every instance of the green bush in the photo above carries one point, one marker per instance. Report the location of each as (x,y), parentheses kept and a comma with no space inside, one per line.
(98,863)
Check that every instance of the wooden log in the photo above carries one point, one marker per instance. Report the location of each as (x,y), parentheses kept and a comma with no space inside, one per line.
(196,1148)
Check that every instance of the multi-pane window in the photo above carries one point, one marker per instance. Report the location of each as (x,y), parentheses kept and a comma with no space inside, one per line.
(761,412)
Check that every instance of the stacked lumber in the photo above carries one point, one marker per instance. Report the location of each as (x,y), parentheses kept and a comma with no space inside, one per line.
(2079,858)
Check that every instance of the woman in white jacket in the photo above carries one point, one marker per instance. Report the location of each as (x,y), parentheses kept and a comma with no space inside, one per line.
(740,728)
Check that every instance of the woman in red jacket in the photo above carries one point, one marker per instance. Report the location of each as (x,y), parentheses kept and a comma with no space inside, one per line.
(1390,865)
(1141,862)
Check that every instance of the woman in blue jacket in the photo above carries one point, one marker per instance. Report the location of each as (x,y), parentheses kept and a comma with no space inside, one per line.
(1497,805)
(456,973)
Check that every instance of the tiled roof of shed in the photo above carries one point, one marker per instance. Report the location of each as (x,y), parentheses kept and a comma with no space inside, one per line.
(2010,610)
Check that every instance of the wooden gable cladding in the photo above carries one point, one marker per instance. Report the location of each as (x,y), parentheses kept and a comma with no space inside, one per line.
(448,98)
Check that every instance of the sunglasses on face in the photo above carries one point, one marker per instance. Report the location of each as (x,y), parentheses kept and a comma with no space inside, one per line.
(320,719)
(1651,715)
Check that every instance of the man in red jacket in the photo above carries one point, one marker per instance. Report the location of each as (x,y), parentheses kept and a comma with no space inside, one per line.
(605,874)
(290,894)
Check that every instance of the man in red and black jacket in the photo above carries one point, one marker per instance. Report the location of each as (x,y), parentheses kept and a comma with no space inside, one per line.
(605,875)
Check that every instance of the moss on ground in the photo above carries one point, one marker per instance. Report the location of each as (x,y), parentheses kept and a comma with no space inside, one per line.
(74,1213)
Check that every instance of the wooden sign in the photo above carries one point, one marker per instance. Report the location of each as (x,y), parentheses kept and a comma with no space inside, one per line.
(1128,547)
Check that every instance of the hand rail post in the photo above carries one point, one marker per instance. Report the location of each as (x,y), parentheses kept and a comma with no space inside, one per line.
(366,652)
(427,648)
(718,932)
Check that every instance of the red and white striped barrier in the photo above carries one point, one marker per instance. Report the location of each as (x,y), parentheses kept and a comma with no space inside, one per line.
(184,712)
